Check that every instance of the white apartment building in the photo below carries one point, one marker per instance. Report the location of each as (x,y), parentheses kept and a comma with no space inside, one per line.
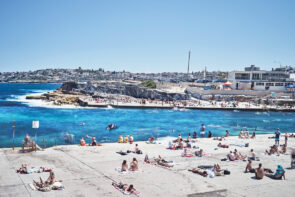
(255,79)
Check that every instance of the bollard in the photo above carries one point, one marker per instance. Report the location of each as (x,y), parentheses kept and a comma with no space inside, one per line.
(44,146)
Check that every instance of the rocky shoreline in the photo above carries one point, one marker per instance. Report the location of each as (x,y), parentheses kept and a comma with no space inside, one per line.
(131,95)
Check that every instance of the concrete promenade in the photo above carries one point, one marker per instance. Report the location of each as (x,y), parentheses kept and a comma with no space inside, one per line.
(89,171)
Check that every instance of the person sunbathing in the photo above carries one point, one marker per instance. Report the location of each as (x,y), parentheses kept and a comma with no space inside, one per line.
(218,138)
(127,188)
(246,134)
(252,155)
(241,134)
(161,163)
(151,139)
(82,141)
(279,174)
(199,153)
(199,171)
(124,166)
(146,159)
(239,156)
(217,168)
(249,167)
(253,135)
(259,172)
(134,165)
(273,150)
(222,145)
(231,156)
(180,144)
(284,149)
(27,140)
(23,169)
(48,182)
(131,139)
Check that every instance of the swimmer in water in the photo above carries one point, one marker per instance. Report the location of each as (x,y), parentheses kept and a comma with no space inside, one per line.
(82,123)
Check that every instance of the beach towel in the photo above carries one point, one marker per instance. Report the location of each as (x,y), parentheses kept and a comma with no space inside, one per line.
(187,155)
(151,142)
(55,186)
(121,171)
(35,170)
(205,167)
(171,148)
(239,145)
(122,153)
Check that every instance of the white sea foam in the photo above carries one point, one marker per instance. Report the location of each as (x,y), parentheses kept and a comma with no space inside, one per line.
(42,103)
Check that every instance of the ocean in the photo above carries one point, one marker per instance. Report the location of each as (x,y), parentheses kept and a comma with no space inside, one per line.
(56,122)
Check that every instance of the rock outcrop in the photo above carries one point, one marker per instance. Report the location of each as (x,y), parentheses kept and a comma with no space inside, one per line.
(122,88)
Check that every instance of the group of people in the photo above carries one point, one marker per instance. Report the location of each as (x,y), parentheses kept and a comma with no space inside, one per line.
(245,135)
(260,172)
(157,161)
(93,142)
(133,165)
(42,185)
(126,139)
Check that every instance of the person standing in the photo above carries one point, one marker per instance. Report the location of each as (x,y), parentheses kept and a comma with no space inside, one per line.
(203,130)
(286,139)
(277,137)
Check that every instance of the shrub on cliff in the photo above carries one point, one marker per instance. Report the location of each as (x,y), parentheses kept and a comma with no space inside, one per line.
(148,84)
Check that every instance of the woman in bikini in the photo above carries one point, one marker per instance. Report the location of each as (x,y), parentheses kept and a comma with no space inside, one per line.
(124,166)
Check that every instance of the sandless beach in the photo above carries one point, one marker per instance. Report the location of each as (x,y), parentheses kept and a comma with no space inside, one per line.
(90,171)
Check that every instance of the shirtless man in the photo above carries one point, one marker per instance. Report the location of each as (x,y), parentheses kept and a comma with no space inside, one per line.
(27,140)
(199,171)
(252,155)
(249,167)
(259,172)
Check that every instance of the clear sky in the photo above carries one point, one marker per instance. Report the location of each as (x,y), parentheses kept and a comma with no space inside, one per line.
(146,36)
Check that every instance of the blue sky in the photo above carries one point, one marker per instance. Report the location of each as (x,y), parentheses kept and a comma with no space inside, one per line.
(146,36)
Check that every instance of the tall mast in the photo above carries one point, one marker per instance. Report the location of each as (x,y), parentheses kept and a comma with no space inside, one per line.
(189,58)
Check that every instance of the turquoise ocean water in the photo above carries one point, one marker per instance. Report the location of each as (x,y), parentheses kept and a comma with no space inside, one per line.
(142,123)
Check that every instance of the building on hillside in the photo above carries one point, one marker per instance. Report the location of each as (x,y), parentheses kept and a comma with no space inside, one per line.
(255,79)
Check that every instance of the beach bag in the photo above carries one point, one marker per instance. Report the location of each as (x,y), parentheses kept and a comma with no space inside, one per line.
(128,151)
(226,172)
(139,152)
